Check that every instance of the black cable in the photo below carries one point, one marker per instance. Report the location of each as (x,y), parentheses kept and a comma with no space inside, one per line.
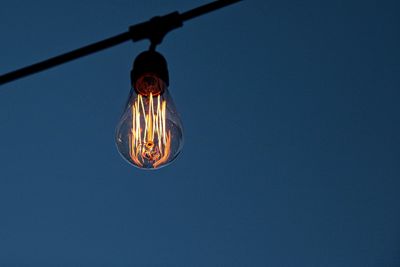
(61,59)
(154,30)
(201,10)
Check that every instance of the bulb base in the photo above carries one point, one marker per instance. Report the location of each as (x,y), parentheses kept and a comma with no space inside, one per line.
(150,73)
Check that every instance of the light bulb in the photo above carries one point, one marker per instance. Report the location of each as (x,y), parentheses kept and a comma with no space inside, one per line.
(149,134)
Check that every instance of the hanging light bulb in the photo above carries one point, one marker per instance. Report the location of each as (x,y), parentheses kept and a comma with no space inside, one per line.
(149,134)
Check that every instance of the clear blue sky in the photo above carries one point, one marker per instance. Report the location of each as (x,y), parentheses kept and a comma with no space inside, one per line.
(292,138)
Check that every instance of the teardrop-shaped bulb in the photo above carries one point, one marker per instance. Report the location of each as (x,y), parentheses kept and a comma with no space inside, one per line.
(149,134)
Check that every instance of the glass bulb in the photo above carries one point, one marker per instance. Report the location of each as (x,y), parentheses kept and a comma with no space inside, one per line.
(149,134)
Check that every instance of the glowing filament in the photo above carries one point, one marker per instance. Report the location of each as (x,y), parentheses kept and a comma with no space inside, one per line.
(149,140)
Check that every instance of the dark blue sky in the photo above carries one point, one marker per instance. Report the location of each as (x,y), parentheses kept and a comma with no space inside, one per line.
(292,138)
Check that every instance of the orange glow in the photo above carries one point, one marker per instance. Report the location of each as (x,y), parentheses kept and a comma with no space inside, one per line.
(149,140)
